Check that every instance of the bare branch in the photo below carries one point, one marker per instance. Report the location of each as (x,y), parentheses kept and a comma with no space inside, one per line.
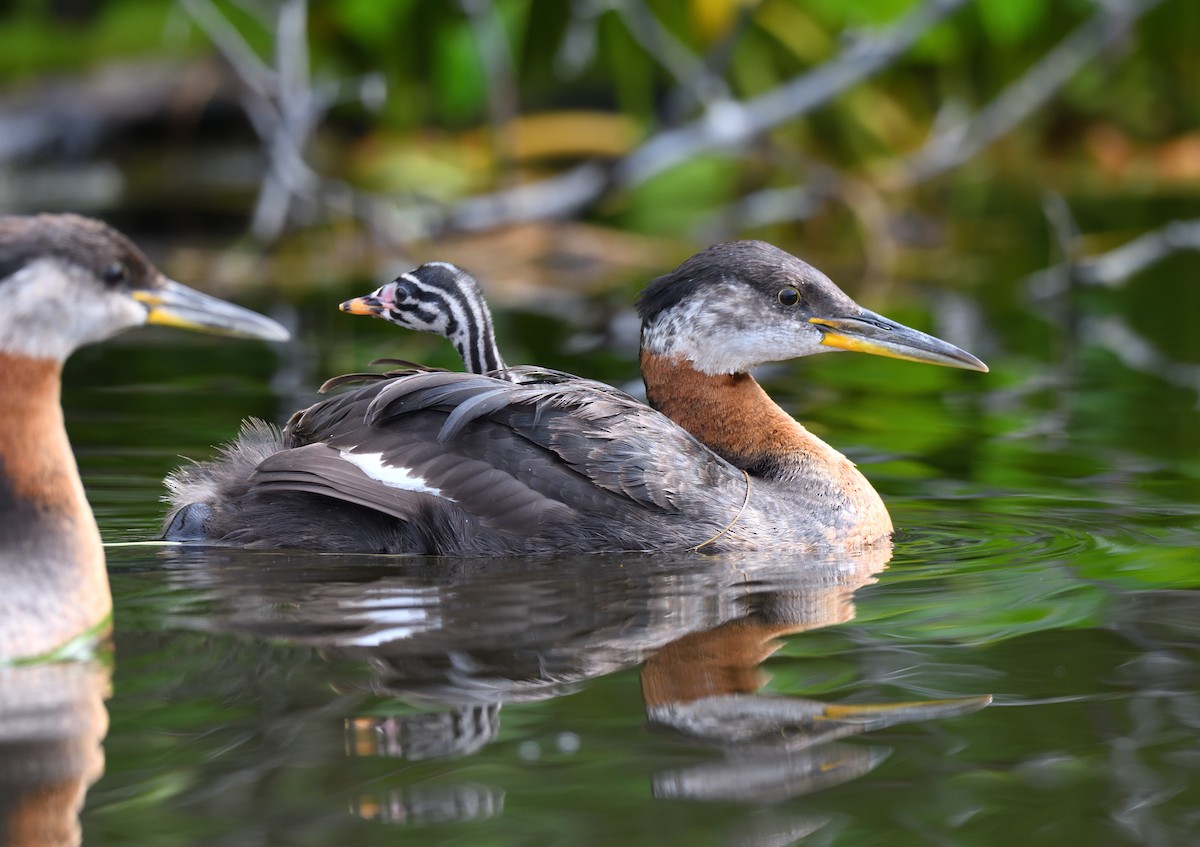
(578,45)
(556,197)
(955,144)
(772,205)
(253,71)
(296,99)
(495,55)
(730,124)
(692,76)
(285,108)
(1113,268)
(726,124)
(1135,352)
(1058,277)
(775,205)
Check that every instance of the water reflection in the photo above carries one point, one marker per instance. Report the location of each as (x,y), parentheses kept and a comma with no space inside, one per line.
(456,641)
(52,723)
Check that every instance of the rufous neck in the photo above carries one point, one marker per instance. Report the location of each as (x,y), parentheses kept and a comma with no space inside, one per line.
(53,584)
(734,417)
(731,415)
(37,462)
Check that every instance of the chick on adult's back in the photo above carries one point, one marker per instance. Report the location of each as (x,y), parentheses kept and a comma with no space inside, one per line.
(467,464)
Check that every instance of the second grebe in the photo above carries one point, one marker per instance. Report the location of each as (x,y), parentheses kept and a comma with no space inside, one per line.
(66,281)
(468,464)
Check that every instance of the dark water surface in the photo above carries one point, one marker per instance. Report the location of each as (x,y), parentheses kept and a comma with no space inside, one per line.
(1047,556)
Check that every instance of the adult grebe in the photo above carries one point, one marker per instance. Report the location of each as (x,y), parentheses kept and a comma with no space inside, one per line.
(66,281)
(468,464)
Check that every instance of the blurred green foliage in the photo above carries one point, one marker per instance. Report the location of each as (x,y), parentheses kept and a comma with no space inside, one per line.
(582,54)
(439,103)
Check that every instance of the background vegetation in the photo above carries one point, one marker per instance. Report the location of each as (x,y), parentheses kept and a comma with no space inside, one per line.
(529,134)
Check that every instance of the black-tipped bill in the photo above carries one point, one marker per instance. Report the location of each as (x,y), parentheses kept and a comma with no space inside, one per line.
(368,304)
(868,332)
(174,304)
(374,304)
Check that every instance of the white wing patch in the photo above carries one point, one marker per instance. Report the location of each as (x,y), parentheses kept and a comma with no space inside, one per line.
(372,465)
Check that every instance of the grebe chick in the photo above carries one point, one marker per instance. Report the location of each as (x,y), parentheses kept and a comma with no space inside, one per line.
(442,299)
(466,464)
(66,281)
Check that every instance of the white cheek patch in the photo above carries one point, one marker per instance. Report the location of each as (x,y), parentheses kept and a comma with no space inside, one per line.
(725,329)
(52,308)
(372,465)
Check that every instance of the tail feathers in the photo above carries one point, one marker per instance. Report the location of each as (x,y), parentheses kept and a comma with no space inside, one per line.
(218,479)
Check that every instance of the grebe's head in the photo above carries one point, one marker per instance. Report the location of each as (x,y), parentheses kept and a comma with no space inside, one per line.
(66,281)
(738,304)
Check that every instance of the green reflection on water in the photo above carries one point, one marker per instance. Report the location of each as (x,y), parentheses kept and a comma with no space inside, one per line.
(1047,555)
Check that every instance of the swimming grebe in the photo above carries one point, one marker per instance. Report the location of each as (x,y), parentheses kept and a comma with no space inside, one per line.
(66,281)
(468,464)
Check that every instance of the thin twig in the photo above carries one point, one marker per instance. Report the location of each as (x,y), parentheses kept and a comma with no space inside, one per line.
(495,55)
(285,108)
(557,197)
(725,124)
(695,82)
(729,124)
(957,143)
(253,71)
(1135,352)
(1114,268)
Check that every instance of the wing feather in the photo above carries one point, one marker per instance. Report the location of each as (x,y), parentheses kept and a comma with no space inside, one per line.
(511,454)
